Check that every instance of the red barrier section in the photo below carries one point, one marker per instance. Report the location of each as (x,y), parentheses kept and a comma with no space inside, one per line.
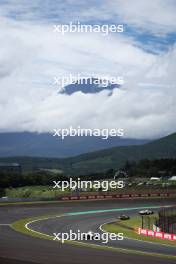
(151,233)
(115,196)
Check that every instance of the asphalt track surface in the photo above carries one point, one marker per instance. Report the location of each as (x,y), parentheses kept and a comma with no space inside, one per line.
(19,248)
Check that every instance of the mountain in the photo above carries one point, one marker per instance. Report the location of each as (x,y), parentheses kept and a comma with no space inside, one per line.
(116,157)
(45,145)
(103,160)
(90,85)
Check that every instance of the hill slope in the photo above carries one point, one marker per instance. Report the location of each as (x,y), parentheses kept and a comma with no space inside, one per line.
(104,159)
(116,157)
(45,145)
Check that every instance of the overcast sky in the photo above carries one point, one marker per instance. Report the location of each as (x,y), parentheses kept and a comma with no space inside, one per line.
(31,54)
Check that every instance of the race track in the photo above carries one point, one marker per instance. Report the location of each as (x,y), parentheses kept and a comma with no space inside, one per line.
(19,248)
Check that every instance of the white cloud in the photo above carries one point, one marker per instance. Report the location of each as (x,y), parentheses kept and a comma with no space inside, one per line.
(31,55)
(156,16)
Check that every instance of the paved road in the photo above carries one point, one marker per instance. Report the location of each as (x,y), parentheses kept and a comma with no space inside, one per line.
(19,248)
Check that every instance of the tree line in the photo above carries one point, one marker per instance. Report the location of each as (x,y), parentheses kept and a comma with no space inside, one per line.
(144,168)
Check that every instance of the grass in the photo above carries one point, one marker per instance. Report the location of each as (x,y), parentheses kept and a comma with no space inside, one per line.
(128,229)
(43,192)
(20,227)
(48,192)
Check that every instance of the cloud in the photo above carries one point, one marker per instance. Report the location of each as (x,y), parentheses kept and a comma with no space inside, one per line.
(32,55)
(156,16)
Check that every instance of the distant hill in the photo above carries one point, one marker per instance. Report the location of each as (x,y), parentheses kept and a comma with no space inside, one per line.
(45,145)
(102,160)
(90,85)
(115,157)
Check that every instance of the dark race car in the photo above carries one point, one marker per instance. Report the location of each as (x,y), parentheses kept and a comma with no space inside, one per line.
(123,217)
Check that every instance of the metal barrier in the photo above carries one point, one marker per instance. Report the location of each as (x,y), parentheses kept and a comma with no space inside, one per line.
(117,196)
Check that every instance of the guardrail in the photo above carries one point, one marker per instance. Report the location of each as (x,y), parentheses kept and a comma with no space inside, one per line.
(117,196)
(90,197)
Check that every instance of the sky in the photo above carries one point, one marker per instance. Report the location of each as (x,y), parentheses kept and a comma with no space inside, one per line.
(32,54)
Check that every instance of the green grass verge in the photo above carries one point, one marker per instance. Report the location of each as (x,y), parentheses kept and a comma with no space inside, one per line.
(20,227)
(128,230)
(38,191)
(48,192)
